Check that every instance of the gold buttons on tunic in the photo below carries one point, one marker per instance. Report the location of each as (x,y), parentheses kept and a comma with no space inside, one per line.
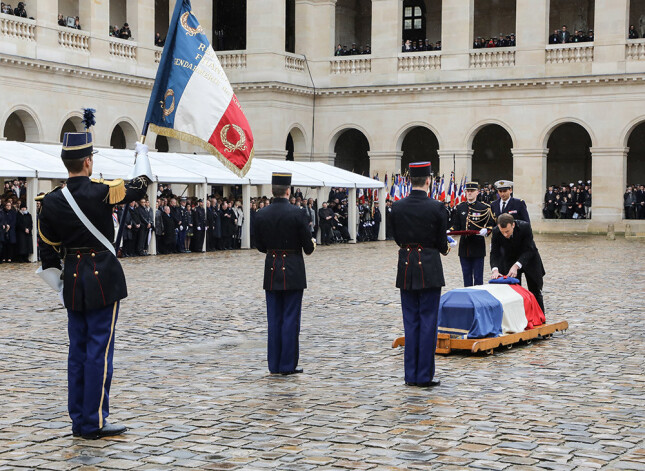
(93,254)
(96,273)
(419,263)
(406,263)
(283,268)
(78,256)
(74,275)
(419,250)
(273,255)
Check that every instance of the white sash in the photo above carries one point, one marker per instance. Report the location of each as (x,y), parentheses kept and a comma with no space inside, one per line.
(95,232)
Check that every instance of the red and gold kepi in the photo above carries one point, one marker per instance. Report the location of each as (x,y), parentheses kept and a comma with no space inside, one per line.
(420,169)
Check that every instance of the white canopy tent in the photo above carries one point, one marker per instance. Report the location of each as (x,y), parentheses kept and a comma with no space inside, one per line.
(42,161)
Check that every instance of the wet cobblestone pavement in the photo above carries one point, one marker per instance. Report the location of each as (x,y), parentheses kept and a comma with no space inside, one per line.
(192,385)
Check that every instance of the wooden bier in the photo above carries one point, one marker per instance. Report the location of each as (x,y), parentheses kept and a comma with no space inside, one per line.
(445,344)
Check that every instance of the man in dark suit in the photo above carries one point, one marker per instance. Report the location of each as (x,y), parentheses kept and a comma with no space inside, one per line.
(564,36)
(419,227)
(549,203)
(507,204)
(282,232)
(199,224)
(513,252)
(93,280)
(472,215)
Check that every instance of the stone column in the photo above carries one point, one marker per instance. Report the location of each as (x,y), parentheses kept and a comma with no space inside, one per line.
(246,210)
(32,191)
(386,28)
(265,25)
(46,14)
(461,161)
(95,18)
(203,11)
(383,162)
(324,157)
(610,36)
(529,178)
(271,154)
(608,179)
(456,33)
(315,27)
(301,156)
(352,214)
(532,31)
(141,18)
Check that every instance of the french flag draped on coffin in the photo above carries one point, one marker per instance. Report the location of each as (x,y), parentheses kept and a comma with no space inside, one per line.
(192,99)
(488,311)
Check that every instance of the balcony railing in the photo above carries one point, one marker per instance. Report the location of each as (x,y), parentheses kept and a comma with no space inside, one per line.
(158,52)
(74,39)
(232,60)
(293,62)
(566,53)
(123,49)
(413,62)
(16,27)
(635,50)
(350,65)
(492,57)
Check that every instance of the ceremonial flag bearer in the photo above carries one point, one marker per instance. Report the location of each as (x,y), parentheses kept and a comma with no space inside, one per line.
(419,228)
(476,217)
(282,232)
(75,226)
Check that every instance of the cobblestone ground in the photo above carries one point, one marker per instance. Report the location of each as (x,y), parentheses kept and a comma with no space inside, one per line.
(191,380)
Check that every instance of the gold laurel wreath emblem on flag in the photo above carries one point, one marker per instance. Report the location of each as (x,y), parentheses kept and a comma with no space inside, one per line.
(189,30)
(168,111)
(241,143)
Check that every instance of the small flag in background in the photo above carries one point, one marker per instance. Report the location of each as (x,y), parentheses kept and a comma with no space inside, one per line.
(192,99)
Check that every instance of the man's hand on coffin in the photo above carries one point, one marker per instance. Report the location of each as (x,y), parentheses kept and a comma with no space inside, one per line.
(494,274)
(513,271)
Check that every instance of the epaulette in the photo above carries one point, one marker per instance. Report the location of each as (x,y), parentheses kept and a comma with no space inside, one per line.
(42,197)
(116,191)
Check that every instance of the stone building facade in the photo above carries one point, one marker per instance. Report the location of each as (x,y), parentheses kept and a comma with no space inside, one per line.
(536,113)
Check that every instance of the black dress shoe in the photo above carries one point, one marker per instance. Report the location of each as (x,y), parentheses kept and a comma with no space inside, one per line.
(294,372)
(108,430)
(410,384)
(431,384)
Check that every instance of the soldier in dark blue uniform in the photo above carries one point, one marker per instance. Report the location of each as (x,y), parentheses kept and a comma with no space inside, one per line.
(472,215)
(419,228)
(507,204)
(93,280)
(282,232)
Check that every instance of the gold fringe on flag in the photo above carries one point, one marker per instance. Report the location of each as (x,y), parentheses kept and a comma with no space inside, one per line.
(182,136)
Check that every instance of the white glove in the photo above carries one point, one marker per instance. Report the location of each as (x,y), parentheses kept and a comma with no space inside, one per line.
(452,242)
(140,149)
(142,163)
(483,232)
(60,297)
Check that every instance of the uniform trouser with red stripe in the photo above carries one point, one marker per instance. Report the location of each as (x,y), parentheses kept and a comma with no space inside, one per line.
(89,366)
(420,313)
(283,316)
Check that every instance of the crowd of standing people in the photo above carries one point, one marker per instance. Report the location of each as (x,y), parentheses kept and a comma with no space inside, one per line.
(16,224)
(568,201)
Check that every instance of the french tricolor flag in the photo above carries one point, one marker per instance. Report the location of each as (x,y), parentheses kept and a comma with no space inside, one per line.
(192,99)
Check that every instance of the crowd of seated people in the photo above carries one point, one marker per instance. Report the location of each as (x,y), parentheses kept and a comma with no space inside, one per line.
(421,45)
(354,51)
(502,40)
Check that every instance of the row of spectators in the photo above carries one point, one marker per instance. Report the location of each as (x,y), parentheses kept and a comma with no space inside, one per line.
(634,202)
(420,45)
(500,41)
(568,201)
(354,51)
(121,33)
(69,21)
(564,36)
(20,10)
(16,225)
